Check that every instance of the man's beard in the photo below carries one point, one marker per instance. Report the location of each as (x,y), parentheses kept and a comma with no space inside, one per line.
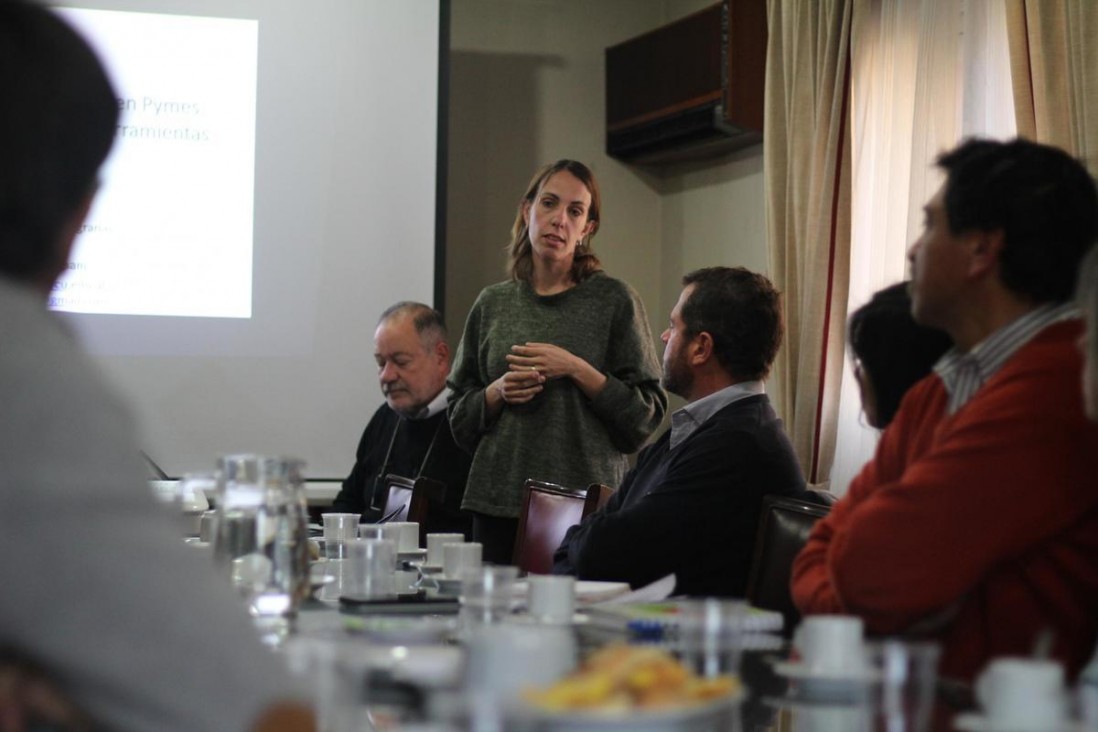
(677,376)
(408,411)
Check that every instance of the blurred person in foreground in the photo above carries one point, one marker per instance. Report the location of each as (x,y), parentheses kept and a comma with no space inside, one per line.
(891,352)
(691,505)
(409,435)
(100,596)
(976,521)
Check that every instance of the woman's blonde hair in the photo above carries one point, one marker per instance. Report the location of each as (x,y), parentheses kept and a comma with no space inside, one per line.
(520,260)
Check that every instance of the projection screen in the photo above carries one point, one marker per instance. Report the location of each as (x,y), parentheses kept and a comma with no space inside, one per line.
(274,185)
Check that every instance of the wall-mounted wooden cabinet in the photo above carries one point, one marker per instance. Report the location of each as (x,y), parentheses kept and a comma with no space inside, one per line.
(690,89)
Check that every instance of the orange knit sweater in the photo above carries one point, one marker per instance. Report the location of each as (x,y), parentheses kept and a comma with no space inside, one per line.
(978,529)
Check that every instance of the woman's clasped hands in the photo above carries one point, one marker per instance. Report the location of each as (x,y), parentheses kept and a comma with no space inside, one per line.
(531,365)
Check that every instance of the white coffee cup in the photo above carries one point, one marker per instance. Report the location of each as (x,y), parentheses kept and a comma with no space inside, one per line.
(456,558)
(504,659)
(435,543)
(409,535)
(1023,693)
(831,645)
(551,598)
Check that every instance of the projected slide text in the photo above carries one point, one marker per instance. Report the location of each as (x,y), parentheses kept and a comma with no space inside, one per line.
(171,229)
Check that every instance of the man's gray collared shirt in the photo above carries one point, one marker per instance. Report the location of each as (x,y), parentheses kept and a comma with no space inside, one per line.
(687,419)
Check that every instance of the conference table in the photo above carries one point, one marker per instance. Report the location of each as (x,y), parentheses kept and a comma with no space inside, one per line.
(412,671)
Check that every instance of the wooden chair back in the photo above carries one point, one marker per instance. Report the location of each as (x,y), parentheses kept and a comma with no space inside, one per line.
(597,496)
(412,500)
(548,511)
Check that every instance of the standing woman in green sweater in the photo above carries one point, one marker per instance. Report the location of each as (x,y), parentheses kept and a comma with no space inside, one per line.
(556,377)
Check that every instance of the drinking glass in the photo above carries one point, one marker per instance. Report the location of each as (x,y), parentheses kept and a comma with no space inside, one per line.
(486,594)
(384,532)
(904,675)
(338,528)
(369,569)
(261,537)
(711,635)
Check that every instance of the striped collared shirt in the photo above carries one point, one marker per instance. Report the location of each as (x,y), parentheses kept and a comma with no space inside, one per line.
(964,373)
(687,419)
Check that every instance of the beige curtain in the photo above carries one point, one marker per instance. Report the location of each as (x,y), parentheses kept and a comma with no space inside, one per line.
(806,159)
(924,75)
(1054,66)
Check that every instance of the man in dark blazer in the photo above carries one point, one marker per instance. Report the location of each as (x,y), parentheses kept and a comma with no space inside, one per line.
(690,507)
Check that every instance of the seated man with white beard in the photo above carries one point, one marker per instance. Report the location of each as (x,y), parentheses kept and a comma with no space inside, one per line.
(409,434)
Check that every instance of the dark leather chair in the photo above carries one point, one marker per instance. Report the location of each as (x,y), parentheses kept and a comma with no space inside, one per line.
(784,525)
(413,500)
(548,510)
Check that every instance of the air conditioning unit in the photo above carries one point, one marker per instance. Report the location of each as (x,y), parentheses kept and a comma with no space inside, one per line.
(691,89)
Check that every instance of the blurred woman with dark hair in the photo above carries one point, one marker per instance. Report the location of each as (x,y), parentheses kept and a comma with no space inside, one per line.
(891,352)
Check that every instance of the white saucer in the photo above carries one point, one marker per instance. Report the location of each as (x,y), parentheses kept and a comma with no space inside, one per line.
(524,619)
(411,555)
(800,672)
(705,715)
(834,686)
(976,722)
(429,568)
(402,629)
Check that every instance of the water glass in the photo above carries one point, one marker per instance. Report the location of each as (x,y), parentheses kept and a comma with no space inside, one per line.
(486,594)
(261,536)
(904,675)
(711,635)
(369,569)
(338,528)
(385,532)
(335,674)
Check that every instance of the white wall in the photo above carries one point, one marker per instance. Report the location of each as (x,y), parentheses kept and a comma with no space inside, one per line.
(526,88)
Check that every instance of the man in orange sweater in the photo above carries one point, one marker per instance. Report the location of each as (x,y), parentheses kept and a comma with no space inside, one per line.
(976,522)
